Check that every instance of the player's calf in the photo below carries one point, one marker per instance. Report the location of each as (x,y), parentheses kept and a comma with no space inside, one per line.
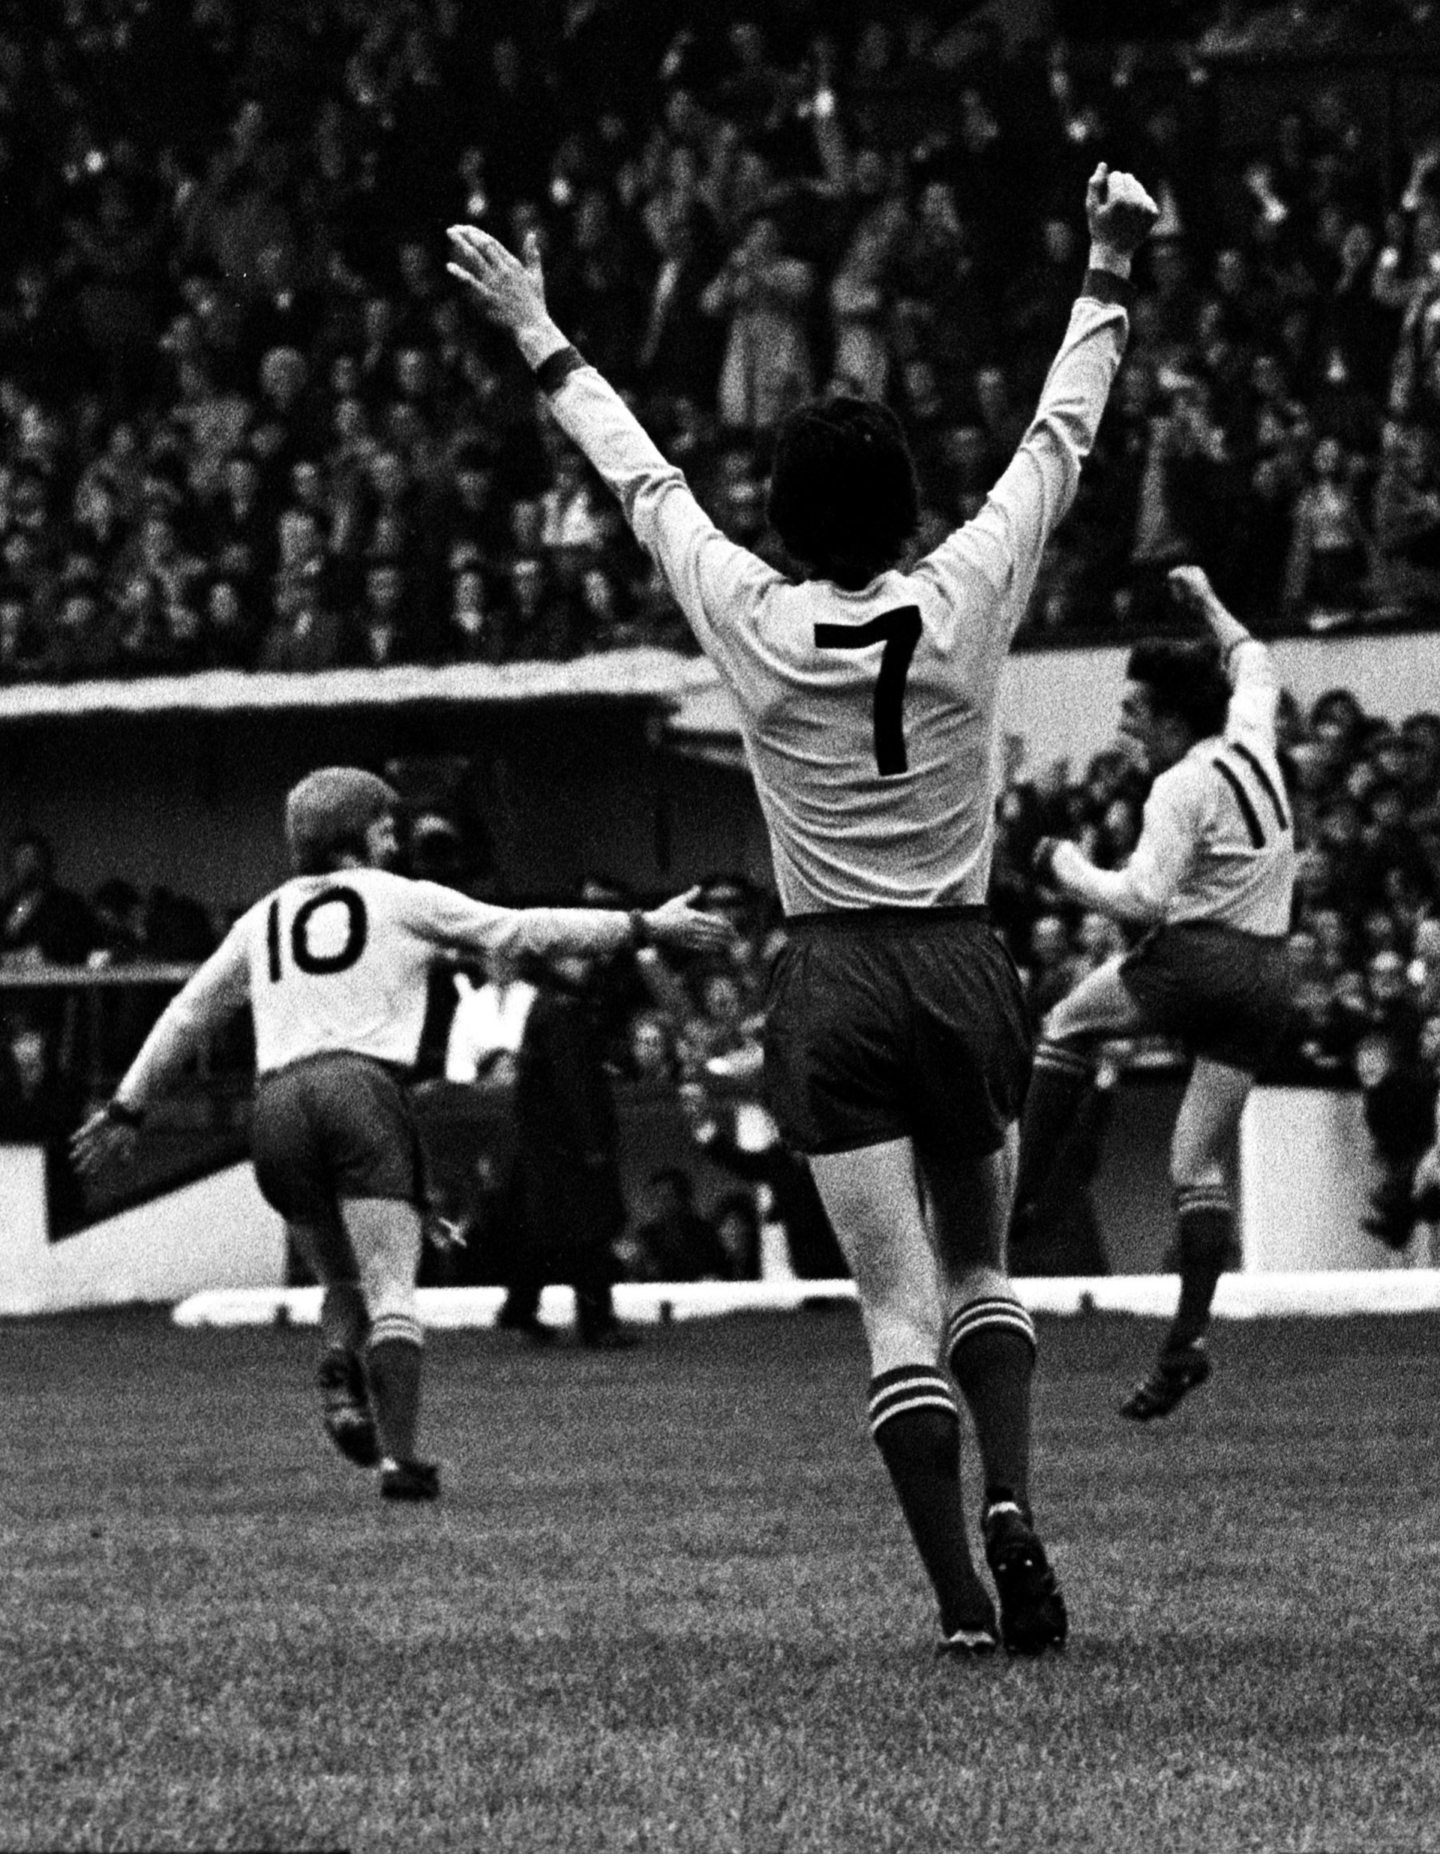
(393,1360)
(990,1348)
(1062,1076)
(345,1407)
(915,1424)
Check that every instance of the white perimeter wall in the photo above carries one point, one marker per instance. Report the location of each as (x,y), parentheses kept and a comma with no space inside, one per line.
(1304,1161)
(217,1233)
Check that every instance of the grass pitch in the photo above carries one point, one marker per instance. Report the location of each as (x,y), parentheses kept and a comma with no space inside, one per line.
(667,1603)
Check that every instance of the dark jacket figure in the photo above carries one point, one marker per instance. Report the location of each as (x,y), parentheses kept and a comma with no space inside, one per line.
(675,1242)
(39,918)
(567,1159)
(41,1105)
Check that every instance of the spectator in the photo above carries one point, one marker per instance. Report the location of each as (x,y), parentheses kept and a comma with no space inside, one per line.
(673,1241)
(1397,1084)
(230,629)
(649,1057)
(386,627)
(573,1208)
(41,921)
(737,1225)
(681,349)
(1330,547)
(488,1026)
(474,631)
(23,652)
(304,635)
(788,1190)
(41,1104)
(761,292)
(533,614)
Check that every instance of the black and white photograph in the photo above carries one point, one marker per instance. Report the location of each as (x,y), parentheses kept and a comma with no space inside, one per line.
(720,926)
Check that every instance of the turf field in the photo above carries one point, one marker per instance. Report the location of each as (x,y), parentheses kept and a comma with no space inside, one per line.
(668,1605)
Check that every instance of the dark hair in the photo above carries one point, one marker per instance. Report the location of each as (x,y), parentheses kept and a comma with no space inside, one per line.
(1184,680)
(843,497)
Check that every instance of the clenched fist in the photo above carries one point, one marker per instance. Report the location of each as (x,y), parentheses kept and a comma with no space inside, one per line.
(1121,213)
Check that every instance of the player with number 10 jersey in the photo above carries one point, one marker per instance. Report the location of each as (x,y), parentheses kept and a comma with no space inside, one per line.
(333,965)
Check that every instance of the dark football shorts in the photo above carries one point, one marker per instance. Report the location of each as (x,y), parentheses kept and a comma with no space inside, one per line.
(333,1127)
(892,1023)
(1223,993)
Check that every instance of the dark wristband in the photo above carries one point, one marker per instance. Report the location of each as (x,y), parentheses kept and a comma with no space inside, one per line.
(640,934)
(556,369)
(1103,286)
(124,1115)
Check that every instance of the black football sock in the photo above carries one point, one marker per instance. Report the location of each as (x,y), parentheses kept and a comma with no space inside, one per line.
(915,1424)
(344,1322)
(990,1344)
(1206,1229)
(393,1358)
(1060,1080)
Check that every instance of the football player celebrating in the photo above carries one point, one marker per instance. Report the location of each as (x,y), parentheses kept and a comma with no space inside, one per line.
(896,1047)
(1212,876)
(333,965)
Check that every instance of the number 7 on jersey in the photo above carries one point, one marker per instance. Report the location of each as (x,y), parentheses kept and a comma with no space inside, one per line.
(899,631)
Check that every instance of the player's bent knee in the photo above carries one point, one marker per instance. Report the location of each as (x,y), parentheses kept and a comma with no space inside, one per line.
(898,1336)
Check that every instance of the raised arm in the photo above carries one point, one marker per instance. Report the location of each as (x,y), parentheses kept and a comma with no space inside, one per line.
(1190,588)
(1249,667)
(710,577)
(1007,537)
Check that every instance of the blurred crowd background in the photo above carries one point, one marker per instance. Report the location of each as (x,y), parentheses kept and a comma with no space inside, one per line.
(247,421)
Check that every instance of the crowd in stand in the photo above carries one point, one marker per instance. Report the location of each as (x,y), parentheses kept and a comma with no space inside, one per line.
(246,423)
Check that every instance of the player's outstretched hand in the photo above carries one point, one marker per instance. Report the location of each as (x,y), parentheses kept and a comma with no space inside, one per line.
(103,1143)
(1120,211)
(511,292)
(678,922)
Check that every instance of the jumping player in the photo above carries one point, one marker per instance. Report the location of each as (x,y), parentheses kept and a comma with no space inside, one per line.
(333,965)
(1212,876)
(896,1046)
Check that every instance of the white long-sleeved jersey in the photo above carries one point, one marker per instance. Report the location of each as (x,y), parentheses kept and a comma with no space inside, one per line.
(331,963)
(1218,842)
(869,717)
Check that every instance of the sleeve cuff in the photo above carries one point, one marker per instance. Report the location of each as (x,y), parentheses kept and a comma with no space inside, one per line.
(1103,286)
(556,369)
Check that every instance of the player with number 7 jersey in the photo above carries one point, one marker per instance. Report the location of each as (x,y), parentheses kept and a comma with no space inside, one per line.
(895,1042)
